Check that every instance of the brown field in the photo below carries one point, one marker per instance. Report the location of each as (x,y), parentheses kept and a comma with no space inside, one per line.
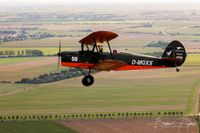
(136,125)
(34,67)
(27,65)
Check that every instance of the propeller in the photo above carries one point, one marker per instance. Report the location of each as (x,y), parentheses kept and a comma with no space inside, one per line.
(59,50)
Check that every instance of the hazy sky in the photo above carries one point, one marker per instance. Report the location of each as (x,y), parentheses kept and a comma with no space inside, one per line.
(25,2)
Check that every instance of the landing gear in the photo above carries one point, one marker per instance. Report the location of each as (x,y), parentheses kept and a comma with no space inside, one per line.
(88,80)
(177,69)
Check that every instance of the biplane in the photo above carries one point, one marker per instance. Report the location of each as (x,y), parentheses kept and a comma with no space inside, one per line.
(92,57)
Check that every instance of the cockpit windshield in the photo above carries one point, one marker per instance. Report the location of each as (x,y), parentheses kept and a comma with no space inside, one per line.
(93,48)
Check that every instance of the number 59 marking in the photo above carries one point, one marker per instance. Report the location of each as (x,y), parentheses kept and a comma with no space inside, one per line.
(74,58)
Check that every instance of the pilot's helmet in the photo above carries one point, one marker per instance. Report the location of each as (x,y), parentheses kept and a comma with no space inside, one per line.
(101,49)
(114,51)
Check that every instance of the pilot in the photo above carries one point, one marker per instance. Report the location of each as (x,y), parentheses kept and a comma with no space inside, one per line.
(114,51)
(101,49)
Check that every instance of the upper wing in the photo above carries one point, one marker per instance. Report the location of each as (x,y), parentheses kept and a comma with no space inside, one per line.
(108,65)
(98,37)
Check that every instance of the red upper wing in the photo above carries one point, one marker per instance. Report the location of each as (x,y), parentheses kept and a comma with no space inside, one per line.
(98,37)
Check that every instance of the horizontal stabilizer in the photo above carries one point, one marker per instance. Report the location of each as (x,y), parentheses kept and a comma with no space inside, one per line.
(172,59)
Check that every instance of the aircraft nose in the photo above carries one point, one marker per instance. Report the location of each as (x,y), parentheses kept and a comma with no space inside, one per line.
(60,54)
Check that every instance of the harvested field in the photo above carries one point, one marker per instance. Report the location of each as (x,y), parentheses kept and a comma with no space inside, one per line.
(28,64)
(137,125)
(14,69)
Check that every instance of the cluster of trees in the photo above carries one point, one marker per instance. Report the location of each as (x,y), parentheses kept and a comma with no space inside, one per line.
(90,116)
(52,77)
(156,54)
(40,35)
(21,53)
(158,44)
(7,32)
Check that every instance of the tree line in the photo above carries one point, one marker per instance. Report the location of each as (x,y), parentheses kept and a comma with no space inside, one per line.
(21,53)
(121,115)
(53,76)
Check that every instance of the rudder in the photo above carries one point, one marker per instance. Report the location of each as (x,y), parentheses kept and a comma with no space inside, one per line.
(175,54)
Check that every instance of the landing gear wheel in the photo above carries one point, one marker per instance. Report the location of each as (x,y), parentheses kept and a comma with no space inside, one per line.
(88,80)
(177,69)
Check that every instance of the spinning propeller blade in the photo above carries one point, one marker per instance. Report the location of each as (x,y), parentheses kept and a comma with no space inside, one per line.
(59,50)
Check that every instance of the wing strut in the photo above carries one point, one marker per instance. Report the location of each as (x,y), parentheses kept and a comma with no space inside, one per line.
(110,49)
(95,45)
(82,47)
(175,62)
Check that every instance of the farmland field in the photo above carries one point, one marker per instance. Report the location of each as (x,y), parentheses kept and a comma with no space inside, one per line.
(117,91)
(34,127)
(13,69)
(162,90)
(149,125)
(6,61)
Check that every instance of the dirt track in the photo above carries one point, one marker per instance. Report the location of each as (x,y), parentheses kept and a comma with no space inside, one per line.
(137,125)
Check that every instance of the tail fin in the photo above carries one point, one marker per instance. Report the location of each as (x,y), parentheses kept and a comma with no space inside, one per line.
(174,54)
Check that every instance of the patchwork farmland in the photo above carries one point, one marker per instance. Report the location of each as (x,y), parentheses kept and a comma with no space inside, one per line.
(123,96)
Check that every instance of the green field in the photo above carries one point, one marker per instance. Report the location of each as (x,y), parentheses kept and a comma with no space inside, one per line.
(33,127)
(107,95)
(7,89)
(193,60)
(149,90)
(6,61)
(139,91)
